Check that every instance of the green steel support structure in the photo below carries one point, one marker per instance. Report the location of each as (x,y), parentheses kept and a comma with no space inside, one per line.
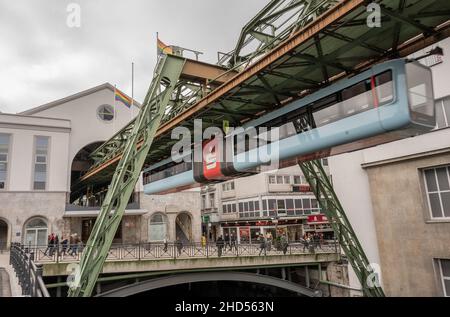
(167,73)
(329,203)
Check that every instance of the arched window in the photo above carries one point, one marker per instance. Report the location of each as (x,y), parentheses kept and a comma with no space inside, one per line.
(36,232)
(157,228)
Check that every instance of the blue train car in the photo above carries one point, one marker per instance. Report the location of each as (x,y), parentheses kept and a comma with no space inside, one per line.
(387,102)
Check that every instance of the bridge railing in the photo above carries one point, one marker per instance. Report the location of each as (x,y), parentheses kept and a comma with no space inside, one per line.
(172,250)
(27,271)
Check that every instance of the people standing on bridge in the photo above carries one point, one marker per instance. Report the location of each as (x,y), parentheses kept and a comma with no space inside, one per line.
(179,245)
(74,240)
(219,243)
(262,245)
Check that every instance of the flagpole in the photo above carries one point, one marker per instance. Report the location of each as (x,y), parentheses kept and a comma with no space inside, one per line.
(132,88)
(114,110)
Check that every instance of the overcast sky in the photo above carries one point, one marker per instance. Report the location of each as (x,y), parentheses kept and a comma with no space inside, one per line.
(42,59)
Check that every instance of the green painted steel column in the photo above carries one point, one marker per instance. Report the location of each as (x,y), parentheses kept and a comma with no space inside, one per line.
(167,73)
(329,203)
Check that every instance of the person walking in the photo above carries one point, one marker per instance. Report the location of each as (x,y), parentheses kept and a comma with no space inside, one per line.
(284,244)
(220,243)
(74,244)
(233,243)
(262,245)
(166,244)
(64,245)
(179,245)
(269,240)
(305,242)
(50,240)
(227,241)
(203,241)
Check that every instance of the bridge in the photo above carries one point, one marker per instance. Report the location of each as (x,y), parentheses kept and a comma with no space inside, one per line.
(158,265)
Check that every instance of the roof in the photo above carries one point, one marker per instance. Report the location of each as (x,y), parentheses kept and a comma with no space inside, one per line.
(81,94)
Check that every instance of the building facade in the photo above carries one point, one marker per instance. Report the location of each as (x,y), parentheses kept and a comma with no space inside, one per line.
(278,201)
(44,150)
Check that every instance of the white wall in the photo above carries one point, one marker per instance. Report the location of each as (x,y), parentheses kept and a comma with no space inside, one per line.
(21,151)
(86,127)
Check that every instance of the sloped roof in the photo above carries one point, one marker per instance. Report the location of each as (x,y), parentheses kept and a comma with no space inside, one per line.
(83,93)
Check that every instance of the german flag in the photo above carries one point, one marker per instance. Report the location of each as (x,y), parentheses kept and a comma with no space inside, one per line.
(163,48)
(120,96)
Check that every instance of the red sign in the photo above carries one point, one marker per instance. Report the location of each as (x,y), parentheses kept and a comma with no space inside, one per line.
(317,218)
(211,160)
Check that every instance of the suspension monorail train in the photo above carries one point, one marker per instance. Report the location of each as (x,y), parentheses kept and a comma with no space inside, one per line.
(389,101)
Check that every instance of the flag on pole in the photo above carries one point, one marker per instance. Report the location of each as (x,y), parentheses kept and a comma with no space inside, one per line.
(120,96)
(163,48)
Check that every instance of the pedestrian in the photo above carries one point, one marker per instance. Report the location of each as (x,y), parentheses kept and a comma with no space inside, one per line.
(220,243)
(203,241)
(233,242)
(227,241)
(269,240)
(55,246)
(74,244)
(262,244)
(64,244)
(179,245)
(284,244)
(50,240)
(305,242)
(166,244)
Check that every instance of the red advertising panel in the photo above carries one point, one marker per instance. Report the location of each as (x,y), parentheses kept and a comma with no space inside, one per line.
(212,160)
(317,218)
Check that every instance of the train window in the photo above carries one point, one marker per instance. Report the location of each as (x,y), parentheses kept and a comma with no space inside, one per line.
(384,88)
(356,98)
(420,94)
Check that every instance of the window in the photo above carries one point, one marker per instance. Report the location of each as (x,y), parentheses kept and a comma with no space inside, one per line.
(36,232)
(212,201)
(157,228)
(4,151)
(420,92)
(228,186)
(203,201)
(228,208)
(437,183)
(272,179)
(40,162)
(444,267)
(442,113)
(105,113)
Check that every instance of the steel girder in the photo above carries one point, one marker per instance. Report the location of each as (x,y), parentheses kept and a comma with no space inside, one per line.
(127,173)
(329,203)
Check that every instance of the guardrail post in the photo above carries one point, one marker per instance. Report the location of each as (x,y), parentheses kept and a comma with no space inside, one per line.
(38,274)
(139,251)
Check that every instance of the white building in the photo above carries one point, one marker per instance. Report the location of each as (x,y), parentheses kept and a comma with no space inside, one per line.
(44,149)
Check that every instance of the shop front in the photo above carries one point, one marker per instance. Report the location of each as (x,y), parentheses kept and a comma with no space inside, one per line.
(248,232)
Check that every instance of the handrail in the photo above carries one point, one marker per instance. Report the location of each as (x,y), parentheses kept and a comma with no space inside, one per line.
(27,271)
(172,250)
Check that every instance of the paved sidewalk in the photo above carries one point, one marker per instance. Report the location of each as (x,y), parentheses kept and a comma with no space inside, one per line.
(9,284)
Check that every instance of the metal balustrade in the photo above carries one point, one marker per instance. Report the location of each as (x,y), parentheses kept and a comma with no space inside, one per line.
(27,271)
(160,251)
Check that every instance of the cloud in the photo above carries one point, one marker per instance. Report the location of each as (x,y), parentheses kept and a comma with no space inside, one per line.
(43,60)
